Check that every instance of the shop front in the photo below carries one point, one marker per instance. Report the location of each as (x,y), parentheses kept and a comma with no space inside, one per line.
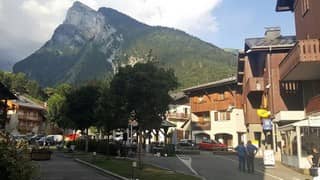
(297,140)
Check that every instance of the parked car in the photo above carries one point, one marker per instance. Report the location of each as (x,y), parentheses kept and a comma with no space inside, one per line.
(212,145)
(35,138)
(186,143)
(50,140)
(71,137)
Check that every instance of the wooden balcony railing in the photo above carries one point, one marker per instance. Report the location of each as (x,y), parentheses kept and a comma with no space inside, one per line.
(313,105)
(303,51)
(31,118)
(183,116)
(210,106)
(254,84)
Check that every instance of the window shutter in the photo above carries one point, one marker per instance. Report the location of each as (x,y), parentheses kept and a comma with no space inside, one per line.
(216,116)
(228,116)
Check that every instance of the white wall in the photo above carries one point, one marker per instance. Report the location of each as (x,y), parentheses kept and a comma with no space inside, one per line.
(232,126)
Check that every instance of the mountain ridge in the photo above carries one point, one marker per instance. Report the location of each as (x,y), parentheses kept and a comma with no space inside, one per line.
(90,44)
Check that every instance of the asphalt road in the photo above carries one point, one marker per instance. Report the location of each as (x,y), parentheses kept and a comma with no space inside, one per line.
(225,167)
(61,168)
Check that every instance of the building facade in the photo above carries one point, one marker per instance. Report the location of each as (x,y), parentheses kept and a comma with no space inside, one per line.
(216,112)
(25,117)
(302,65)
(259,76)
(179,115)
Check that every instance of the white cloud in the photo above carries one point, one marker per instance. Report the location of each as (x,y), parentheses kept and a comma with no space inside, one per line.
(35,20)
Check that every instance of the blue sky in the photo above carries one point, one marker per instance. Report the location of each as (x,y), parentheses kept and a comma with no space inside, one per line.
(240,19)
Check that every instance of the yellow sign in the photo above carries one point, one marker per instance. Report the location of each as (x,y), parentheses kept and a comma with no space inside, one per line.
(263,113)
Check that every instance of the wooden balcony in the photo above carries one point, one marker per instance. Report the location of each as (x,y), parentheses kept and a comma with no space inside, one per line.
(28,118)
(210,106)
(254,84)
(313,105)
(302,62)
(178,116)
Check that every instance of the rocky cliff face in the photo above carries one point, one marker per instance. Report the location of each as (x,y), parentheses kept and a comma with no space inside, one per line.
(90,44)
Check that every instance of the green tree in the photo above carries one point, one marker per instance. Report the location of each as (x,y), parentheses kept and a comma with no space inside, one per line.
(108,114)
(80,107)
(143,91)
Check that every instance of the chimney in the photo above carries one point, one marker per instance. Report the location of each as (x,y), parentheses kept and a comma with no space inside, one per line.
(272,33)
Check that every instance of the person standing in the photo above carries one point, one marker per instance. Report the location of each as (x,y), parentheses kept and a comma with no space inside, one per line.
(251,153)
(241,152)
(313,159)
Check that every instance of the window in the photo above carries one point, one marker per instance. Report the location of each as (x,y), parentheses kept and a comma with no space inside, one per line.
(222,116)
(304,7)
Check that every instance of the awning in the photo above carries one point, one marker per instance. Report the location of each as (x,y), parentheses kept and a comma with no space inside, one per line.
(167,124)
(310,122)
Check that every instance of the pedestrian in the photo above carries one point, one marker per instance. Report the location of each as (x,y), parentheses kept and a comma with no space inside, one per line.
(251,152)
(313,159)
(241,152)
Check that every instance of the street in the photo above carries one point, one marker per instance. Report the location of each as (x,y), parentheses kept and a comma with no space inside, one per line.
(214,167)
(61,168)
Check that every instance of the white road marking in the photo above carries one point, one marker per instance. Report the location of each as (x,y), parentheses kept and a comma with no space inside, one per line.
(262,172)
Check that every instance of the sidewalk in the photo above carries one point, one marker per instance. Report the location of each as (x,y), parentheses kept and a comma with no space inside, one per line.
(62,168)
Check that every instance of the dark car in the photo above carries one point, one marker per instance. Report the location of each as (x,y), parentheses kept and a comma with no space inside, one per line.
(47,141)
(35,138)
(185,143)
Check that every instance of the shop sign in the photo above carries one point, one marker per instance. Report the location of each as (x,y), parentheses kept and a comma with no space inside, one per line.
(266,124)
(268,158)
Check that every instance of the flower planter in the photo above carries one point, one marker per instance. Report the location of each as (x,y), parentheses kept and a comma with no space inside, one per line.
(41,155)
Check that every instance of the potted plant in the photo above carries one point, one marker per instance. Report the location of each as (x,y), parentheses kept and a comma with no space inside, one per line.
(41,154)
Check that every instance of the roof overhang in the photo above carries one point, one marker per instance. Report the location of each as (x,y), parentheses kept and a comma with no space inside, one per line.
(285,5)
(304,123)
(220,83)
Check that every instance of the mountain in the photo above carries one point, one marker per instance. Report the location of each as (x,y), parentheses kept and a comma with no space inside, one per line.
(92,44)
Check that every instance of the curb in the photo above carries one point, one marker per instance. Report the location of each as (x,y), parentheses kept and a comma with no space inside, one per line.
(101,170)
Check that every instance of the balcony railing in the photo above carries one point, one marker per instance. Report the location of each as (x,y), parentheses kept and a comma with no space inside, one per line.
(313,105)
(31,118)
(254,84)
(178,116)
(305,51)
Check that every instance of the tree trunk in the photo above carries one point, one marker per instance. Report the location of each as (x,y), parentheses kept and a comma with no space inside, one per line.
(139,149)
(157,135)
(108,141)
(87,141)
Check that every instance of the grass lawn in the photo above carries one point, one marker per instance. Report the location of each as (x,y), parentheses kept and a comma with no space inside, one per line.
(123,167)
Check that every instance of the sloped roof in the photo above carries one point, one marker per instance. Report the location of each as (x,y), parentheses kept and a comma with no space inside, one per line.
(262,42)
(25,102)
(165,123)
(177,96)
(221,82)
(5,93)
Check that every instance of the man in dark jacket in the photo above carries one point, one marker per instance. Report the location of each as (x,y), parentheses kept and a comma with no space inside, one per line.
(251,153)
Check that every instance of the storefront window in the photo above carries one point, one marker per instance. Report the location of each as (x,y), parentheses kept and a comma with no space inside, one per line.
(310,138)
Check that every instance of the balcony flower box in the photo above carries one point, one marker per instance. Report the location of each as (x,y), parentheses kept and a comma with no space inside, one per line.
(41,154)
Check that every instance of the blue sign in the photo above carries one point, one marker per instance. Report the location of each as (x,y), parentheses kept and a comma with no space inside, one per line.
(266,124)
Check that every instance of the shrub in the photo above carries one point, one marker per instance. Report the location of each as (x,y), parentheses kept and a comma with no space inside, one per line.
(15,161)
